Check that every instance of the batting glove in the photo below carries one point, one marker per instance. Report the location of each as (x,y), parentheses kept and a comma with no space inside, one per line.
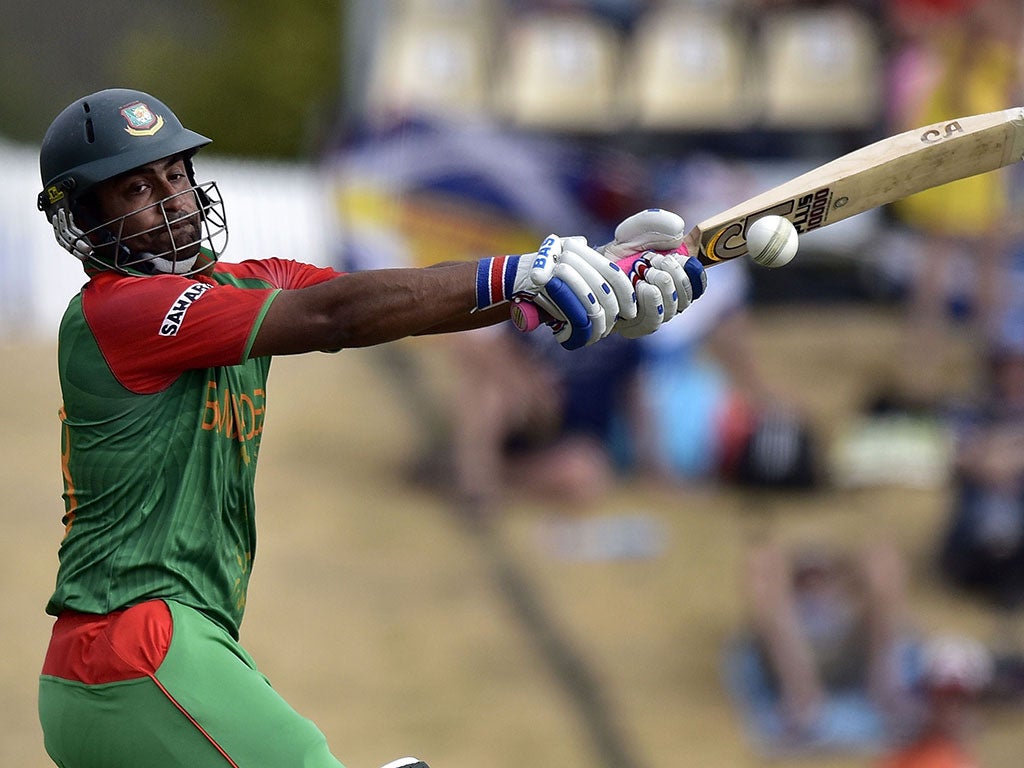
(576,287)
(666,279)
(654,229)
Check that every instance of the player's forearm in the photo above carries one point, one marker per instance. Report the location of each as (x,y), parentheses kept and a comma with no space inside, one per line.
(470,321)
(404,302)
(366,308)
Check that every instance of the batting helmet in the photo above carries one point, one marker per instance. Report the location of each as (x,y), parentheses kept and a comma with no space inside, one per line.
(99,137)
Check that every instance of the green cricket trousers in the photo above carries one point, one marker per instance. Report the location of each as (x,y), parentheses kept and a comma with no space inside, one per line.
(160,685)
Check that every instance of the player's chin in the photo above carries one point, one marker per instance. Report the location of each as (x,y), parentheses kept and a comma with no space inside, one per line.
(181,243)
(185,261)
(184,234)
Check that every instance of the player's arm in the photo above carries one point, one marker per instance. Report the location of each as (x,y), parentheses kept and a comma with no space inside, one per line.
(372,307)
(376,306)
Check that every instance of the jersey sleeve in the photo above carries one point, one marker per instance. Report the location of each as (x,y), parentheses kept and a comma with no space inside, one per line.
(280,273)
(150,329)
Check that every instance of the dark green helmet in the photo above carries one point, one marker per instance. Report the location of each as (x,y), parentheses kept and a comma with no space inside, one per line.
(99,137)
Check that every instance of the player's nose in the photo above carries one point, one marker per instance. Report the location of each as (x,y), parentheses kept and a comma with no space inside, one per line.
(179,201)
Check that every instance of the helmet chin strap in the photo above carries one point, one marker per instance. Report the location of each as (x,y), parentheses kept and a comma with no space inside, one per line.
(168,267)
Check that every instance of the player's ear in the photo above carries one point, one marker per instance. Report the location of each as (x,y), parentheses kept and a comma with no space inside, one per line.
(88,209)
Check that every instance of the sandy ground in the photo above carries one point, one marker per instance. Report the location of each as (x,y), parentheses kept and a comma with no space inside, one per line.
(380,618)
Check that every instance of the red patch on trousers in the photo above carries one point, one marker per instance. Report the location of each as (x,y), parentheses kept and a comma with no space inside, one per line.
(123,645)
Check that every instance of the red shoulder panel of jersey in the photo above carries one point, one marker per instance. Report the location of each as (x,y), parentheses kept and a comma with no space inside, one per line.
(150,329)
(280,273)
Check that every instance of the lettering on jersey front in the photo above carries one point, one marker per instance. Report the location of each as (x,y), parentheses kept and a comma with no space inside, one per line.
(176,314)
(70,491)
(236,416)
(241,585)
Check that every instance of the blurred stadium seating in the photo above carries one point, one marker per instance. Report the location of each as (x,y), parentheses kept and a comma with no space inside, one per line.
(560,71)
(682,66)
(697,80)
(429,66)
(822,69)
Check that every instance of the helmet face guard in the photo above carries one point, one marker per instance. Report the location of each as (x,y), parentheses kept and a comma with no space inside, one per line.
(188,243)
(102,136)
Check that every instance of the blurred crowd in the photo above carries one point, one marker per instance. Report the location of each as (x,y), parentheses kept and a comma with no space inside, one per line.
(829,657)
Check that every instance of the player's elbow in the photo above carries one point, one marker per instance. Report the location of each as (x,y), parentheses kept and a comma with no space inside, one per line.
(300,321)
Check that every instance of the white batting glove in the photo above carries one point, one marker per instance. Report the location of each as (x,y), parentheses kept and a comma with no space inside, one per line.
(576,286)
(653,229)
(665,284)
(666,279)
(576,252)
(650,313)
(687,274)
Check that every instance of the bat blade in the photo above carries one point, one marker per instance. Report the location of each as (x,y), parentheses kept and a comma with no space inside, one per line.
(874,175)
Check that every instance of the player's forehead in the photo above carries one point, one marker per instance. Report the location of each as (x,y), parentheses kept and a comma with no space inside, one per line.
(156,167)
(115,185)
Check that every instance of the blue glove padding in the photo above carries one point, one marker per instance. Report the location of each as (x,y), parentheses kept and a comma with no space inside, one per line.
(698,277)
(582,291)
(576,330)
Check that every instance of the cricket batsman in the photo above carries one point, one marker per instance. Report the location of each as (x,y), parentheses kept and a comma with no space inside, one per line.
(163,360)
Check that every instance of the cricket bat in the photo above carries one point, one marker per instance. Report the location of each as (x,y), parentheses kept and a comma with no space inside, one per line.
(875,175)
(869,177)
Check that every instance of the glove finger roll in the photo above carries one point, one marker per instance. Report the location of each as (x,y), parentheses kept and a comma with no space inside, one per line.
(579,329)
(613,275)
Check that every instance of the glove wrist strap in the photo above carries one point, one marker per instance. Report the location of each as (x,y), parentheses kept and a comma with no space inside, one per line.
(495,280)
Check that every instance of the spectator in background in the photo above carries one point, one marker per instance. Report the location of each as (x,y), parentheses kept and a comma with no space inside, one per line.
(983,546)
(467,184)
(543,423)
(951,58)
(823,664)
(954,673)
(722,423)
(981,549)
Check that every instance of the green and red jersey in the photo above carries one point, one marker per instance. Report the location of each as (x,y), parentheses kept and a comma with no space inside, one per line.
(162,419)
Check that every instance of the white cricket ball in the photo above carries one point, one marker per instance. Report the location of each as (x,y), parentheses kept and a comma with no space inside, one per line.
(772,241)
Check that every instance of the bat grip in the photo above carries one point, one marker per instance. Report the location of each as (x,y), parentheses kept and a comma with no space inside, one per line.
(527,316)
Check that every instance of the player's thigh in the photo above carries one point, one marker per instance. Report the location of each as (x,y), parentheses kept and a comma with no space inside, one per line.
(212,679)
(127,723)
(205,706)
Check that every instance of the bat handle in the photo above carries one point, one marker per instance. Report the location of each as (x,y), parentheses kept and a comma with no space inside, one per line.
(527,316)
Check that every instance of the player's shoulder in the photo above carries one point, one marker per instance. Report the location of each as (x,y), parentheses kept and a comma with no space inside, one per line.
(252,273)
(113,301)
(273,270)
(109,285)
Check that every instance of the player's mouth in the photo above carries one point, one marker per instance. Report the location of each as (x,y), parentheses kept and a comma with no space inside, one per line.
(169,237)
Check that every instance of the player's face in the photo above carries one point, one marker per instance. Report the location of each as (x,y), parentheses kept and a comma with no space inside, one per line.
(159,206)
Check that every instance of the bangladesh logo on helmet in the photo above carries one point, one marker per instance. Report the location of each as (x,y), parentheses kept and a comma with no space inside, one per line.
(141,120)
